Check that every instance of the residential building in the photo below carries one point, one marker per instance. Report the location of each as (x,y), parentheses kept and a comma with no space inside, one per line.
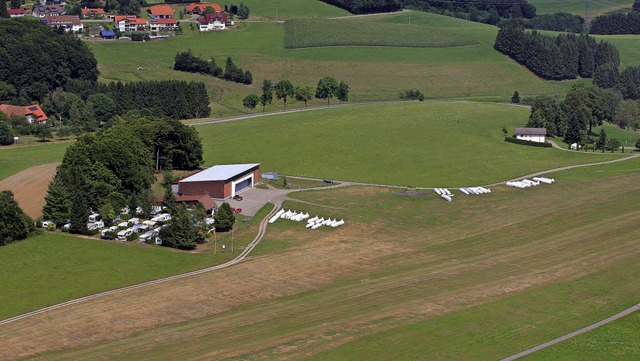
(200,8)
(40,11)
(531,134)
(163,24)
(16,13)
(212,22)
(160,12)
(128,23)
(31,112)
(71,23)
(93,13)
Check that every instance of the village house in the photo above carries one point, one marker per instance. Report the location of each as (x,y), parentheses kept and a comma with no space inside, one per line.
(93,13)
(128,23)
(40,11)
(531,134)
(200,8)
(70,23)
(212,22)
(31,112)
(163,24)
(16,13)
(160,12)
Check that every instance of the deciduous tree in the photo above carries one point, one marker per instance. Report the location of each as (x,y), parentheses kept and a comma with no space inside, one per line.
(250,102)
(303,94)
(267,93)
(343,92)
(327,89)
(284,90)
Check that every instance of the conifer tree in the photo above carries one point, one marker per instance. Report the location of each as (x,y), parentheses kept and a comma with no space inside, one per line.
(56,207)
(224,218)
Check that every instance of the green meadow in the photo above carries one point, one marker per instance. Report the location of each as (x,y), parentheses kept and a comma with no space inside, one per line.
(418,277)
(619,340)
(58,267)
(432,144)
(309,33)
(15,159)
(578,6)
(474,71)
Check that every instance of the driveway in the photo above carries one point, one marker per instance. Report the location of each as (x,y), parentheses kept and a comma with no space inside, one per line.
(256,198)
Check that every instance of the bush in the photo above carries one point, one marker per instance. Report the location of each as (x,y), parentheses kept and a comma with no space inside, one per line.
(526,142)
(412,94)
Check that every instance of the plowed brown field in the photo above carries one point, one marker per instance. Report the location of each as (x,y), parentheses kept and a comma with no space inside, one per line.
(29,187)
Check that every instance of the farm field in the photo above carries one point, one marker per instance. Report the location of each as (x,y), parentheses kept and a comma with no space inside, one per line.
(59,267)
(627,46)
(406,276)
(469,72)
(13,160)
(431,144)
(577,6)
(618,340)
(309,33)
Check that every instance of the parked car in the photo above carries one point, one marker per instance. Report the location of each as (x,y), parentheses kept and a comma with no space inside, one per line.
(237,197)
(328,181)
(106,237)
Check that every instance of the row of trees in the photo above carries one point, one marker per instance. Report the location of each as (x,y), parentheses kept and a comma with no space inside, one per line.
(366,6)
(186,61)
(566,22)
(554,58)
(115,168)
(584,108)
(617,22)
(284,90)
(176,99)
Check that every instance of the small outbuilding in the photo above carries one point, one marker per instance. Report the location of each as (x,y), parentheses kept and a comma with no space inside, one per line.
(220,181)
(531,134)
(108,34)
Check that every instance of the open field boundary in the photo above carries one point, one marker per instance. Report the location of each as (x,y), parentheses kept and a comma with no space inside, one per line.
(261,232)
(615,317)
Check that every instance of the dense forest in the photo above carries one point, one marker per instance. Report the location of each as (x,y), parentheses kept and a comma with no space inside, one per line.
(35,60)
(557,22)
(565,56)
(115,168)
(617,23)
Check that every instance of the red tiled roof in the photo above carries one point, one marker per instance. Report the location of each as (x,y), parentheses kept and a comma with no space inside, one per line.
(132,19)
(202,7)
(11,110)
(210,17)
(86,11)
(531,131)
(203,199)
(163,9)
(62,19)
(19,11)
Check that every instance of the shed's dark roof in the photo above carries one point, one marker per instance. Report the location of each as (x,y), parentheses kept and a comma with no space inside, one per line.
(531,131)
(107,33)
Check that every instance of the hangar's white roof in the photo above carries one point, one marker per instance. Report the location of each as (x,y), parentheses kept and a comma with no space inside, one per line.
(220,172)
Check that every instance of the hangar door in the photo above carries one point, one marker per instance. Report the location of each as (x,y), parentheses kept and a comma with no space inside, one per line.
(242,185)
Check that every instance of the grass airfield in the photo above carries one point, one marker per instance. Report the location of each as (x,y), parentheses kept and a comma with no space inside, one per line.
(480,278)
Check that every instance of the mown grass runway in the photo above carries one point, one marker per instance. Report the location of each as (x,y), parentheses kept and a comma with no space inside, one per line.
(432,144)
(413,276)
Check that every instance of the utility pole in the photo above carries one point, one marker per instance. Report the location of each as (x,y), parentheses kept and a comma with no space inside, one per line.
(587,17)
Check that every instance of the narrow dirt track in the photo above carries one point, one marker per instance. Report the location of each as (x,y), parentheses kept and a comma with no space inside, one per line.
(261,232)
(626,312)
(29,187)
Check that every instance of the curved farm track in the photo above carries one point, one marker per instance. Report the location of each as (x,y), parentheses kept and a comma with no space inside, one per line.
(29,187)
